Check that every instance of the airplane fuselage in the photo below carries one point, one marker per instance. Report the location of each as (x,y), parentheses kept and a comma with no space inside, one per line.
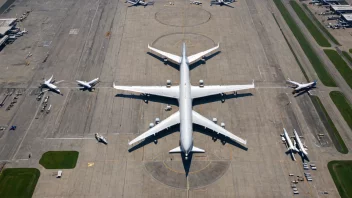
(305,86)
(52,87)
(288,140)
(185,106)
(299,142)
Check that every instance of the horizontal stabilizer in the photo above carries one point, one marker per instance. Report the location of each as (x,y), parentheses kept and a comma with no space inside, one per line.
(176,150)
(197,150)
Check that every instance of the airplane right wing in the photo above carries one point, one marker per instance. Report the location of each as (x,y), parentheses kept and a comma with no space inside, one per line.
(201,120)
(198,92)
(195,57)
(168,122)
(132,2)
(171,92)
(175,58)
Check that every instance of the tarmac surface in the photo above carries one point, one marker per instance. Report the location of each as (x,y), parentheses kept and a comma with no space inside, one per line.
(86,39)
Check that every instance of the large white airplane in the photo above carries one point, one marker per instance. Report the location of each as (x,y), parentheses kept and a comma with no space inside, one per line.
(185,93)
(301,87)
(50,84)
(139,2)
(290,146)
(299,143)
(221,3)
(88,85)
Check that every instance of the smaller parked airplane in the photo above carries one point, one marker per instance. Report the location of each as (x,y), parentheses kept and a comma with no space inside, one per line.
(290,146)
(221,3)
(100,138)
(139,2)
(298,87)
(300,145)
(88,85)
(50,84)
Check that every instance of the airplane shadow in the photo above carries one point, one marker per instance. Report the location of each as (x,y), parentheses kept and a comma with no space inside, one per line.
(303,92)
(216,137)
(218,97)
(304,158)
(152,98)
(201,62)
(174,65)
(187,163)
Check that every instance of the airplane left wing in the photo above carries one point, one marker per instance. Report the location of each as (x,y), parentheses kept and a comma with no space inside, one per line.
(201,120)
(195,57)
(198,92)
(171,92)
(168,122)
(293,82)
(173,57)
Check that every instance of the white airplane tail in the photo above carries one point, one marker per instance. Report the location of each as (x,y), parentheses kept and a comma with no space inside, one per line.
(194,150)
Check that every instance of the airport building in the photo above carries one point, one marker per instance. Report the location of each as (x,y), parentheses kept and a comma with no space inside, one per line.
(341,9)
(6,25)
(346,20)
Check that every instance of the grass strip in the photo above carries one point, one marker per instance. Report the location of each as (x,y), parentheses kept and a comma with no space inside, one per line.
(329,125)
(59,159)
(347,56)
(341,173)
(314,31)
(320,26)
(343,106)
(350,50)
(294,54)
(18,182)
(340,65)
(318,66)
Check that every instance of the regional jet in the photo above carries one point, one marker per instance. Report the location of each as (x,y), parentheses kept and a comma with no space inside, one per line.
(298,87)
(139,2)
(300,145)
(185,93)
(88,85)
(221,3)
(290,147)
(50,84)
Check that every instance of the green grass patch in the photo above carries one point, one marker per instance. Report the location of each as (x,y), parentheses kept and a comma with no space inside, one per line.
(347,56)
(314,31)
(340,65)
(343,106)
(329,125)
(320,26)
(319,67)
(59,159)
(18,182)
(341,173)
(350,50)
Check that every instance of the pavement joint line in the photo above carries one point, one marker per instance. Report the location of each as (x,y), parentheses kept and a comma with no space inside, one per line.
(70,138)
(30,124)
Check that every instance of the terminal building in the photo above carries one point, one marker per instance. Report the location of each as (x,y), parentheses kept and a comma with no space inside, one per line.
(6,26)
(346,20)
(341,9)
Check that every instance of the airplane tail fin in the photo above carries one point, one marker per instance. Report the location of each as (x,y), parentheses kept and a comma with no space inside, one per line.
(194,150)
(176,150)
(197,150)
